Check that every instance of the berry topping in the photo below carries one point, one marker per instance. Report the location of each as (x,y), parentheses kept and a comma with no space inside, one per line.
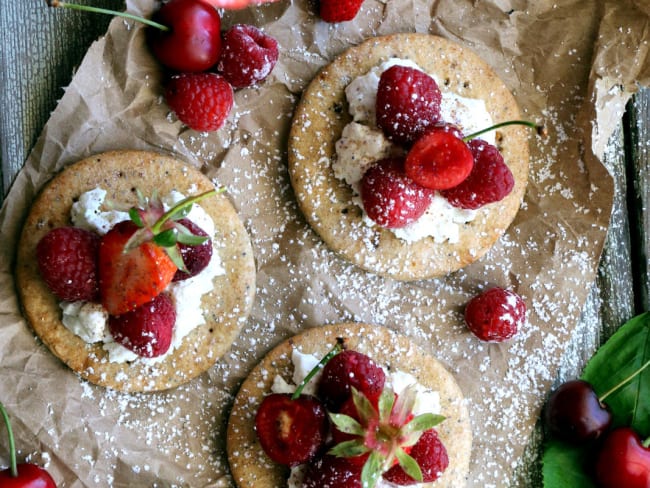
(439,160)
(495,315)
(408,103)
(339,10)
(350,369)
(67,260)
(147,330)
(196,257)
(390,197)
(291,431)
(430,454)
(202,101)
(248,55)
(332,471)
(490,180)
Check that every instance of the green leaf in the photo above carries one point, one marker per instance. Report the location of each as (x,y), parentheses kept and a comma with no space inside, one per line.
(175,255)
(386,402)
(134,215)
(363,405)
(372,470)
(566,466)
(166,238)
(346,424)
(349,449)
(423,422)
(409,465)
(623,354)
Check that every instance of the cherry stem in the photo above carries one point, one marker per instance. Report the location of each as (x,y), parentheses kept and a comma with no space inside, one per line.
(338,347)
(181,205)
(538,128)
(12,443)
(99,10)
(619,385)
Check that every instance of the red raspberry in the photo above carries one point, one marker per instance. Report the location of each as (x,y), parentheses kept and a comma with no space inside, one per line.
(291,432)
(200,100)
(332,471)
(408,103)
(339,10)
(391,198)
(490,180)
(430,454)
(196,258)
(67,260)
(248,55)
(495,315)
(147,330)
(346,369)
(439,160)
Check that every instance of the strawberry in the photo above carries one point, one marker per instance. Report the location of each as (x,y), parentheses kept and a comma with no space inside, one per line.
(430,454)
(138,258)
(408,103)
(291,431)
(390,197)
(202,101)
(350,369)
(196,257)
(67,261)
(332,472)
(147,330)
(439,160)
(339,10)
(489,181)
(495,315)
(248,55)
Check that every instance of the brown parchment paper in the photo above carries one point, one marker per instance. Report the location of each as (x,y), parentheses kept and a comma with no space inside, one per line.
(572,63)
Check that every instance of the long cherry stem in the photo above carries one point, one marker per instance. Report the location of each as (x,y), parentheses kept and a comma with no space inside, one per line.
(12,443)
(338,347)
(619,385)
(99,10)
(538,128)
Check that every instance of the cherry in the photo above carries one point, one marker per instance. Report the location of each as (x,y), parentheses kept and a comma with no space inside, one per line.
(576,414)
(623,460)
(24,475)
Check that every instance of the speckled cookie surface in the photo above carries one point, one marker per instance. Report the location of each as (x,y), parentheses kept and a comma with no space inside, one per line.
(326,201)
(249,465)
(226,308)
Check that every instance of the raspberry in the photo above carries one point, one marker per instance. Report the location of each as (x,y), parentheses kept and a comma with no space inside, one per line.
(67,260)
(196,258)
(202,101)
(495,315)
(291,432)
(248,55)
(147,330)
(346,369)
(439,160)
(390,198)
(490,180)
(339,10)
(430,454)
(408,103)
(331,472)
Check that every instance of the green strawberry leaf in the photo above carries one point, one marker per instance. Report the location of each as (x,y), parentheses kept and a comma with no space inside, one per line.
(372,470)
(363,405)
(346,424)
(386,402)
(623,355)
(423,422)
(409,465)
(349,449)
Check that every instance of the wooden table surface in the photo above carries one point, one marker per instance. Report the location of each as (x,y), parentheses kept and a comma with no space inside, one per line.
(41,47)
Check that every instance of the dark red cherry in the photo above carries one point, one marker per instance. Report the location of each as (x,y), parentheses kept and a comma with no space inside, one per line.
(575,414)
(623,460)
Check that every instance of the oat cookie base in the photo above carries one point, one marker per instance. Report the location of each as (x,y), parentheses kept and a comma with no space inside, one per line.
(120,173)
(326,201)
(249,465)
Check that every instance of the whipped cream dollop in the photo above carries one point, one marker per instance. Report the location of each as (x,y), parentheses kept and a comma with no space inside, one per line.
(362,143)
(90,320)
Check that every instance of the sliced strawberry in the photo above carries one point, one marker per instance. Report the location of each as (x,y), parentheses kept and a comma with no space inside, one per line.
(132,278)
(346,370)
(390,197)
(439,160)
(67,261)
(489,181)
(430,454)
(147,330)
(332,471)
(408,103)
(195,258)
(291,431)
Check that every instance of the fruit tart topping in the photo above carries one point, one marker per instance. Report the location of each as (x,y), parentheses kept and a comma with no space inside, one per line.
(495,315)
(390,197)
(431,456)
(195,257)
(339,10)
(67,261)
(408,102)
(332,471)
(248,55)
(202,101)
(147,330)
